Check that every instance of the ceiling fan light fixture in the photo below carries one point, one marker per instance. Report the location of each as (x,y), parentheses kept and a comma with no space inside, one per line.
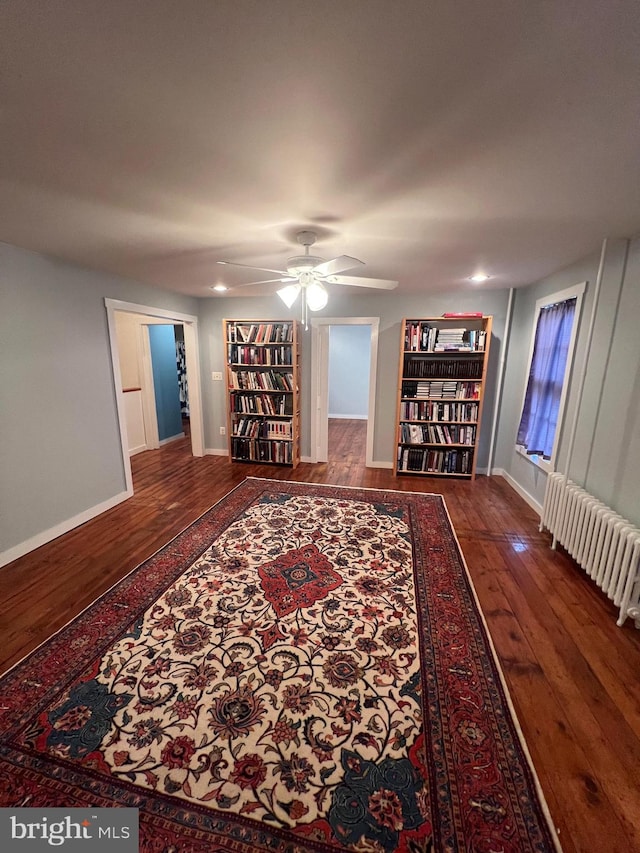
(317,296)
(310,273)
(289,294)
(301,269)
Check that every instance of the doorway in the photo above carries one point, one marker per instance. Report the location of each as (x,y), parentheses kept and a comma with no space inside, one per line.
(166,380)
(348,391)
(183,379)
(320,356)
(151,316)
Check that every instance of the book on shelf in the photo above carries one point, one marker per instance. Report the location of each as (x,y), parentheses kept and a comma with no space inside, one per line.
(454,315)
(415,434)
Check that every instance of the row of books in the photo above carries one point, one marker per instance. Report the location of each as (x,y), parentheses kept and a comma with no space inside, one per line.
(430,410)
(280,355)
(252,450)
(440,390)
(261,428)
(421,336)
(263,380)
(433,461)
(261,404)
(437,434)
(438,368)
(260,333)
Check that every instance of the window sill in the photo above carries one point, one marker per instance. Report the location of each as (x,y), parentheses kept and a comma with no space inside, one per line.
(545,465)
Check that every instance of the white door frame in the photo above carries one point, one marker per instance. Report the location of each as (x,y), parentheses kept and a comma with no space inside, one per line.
(320,383)
(190,324)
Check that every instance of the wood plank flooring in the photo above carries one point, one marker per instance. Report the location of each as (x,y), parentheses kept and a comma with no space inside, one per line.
(574,677)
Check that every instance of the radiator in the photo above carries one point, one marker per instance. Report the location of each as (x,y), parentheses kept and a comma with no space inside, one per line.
(603,543)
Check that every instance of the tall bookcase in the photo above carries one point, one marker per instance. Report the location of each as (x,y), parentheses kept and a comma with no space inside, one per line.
(441,389)
(263,391)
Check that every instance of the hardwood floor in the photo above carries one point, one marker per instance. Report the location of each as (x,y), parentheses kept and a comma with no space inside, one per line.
(572,674)
(347,440)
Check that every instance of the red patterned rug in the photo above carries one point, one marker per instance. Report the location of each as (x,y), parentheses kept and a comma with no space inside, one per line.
(305,668)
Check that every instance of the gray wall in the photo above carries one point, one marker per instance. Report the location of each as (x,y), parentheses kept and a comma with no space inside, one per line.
(60,445)
(349,363)
(605,459)
(390,308)
(60,449)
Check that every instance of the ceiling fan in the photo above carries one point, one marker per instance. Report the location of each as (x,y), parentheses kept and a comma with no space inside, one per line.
(307,275)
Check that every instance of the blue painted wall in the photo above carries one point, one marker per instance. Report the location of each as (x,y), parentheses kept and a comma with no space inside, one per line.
(165,380)
(349,362)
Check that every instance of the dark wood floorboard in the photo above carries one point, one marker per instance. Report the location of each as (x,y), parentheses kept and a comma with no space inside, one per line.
(573,675)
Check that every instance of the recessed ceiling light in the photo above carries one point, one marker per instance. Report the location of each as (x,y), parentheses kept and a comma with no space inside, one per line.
(479,277)
(219,287)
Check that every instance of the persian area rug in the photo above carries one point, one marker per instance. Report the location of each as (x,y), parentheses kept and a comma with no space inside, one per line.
(305,668)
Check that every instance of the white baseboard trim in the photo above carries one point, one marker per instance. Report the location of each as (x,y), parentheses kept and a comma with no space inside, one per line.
(533,503)
(213,451)
(64,527)
(306,459)
(349,417)
(139,449)
(172,438)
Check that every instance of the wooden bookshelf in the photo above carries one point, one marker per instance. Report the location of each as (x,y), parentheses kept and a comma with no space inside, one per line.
(441,389)
(263,391)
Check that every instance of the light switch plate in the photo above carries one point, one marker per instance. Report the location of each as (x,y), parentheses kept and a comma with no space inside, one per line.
(216,375)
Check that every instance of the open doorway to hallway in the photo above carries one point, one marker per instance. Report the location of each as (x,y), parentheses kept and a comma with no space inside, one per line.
(147,317)
(354,382)
(348,392)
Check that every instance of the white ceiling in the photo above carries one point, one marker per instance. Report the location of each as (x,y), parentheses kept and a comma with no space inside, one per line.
(151,138)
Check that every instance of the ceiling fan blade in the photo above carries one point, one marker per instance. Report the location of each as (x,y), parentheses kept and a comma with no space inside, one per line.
(378,283)
(335,265)
(249,267)
(264,281)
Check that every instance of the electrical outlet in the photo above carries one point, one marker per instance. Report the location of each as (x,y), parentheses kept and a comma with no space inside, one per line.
(223,431)
(217,376)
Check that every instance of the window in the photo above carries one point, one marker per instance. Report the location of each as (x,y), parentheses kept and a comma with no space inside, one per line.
(555,326)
